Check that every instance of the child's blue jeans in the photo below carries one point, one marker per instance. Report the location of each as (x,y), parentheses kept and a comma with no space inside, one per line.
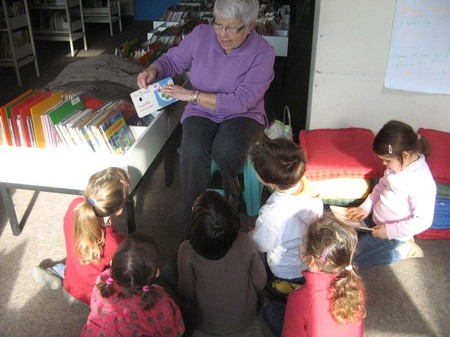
(374,251)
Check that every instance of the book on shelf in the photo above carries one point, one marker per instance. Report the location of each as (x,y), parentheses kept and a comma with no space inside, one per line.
(5,118)
(149,100)
(26,121)
(340,214)
(39,109)
(59,114)
(116,132)
(17,128)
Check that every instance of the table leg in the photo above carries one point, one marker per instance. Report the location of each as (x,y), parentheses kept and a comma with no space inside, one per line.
(10,211)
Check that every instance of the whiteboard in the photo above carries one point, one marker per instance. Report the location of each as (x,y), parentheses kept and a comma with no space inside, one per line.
(351,41)
(419,53)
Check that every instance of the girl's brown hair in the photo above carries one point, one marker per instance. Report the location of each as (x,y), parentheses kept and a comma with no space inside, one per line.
(134,267)
(332,246)
(395,137)
(106,193)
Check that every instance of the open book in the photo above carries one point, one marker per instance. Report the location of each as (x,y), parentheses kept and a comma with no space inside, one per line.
(340,214)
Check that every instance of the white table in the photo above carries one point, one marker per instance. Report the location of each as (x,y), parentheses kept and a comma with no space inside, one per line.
(67,171)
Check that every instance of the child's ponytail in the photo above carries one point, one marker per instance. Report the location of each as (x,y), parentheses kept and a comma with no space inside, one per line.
(106,287)
(347,298)
(332,245)
(423,145)
(88,236)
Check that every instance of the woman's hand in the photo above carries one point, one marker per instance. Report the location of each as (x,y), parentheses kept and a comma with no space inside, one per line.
(356,214)
(146,77)
(379,231)
(180,93)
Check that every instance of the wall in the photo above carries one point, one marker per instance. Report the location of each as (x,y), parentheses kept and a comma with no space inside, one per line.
(349,54)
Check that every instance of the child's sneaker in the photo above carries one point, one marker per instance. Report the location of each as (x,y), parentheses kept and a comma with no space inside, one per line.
(44,274)
(283,287)
(409,249)
(46,277)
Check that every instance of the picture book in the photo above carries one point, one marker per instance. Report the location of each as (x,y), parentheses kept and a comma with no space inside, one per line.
(149,100)
(26,122)
(5,128)
(117,133)
(340,214)
(18,132)
(39,109)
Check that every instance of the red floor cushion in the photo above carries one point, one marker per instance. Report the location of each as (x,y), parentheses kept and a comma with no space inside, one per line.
(439,159)
(340,153)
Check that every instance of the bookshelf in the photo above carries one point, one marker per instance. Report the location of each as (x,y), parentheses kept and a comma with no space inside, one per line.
(94,12)
(55,20)
(64,171)
(17,43)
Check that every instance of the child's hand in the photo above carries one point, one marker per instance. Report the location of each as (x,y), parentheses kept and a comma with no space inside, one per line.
(356,214)
(379,231)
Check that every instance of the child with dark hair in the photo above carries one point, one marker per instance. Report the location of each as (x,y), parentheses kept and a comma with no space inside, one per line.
(332,300)
(125,302)
(283,220)
(220,272)
(402,203)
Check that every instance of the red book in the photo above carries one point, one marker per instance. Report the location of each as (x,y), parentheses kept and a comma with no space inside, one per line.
(25,119)
(18,131)
(4,118)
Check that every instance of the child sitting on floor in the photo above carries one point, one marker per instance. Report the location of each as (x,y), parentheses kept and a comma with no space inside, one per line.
(91,239)
(332,300)
(284,219)
(125,302)
(220,274)
(402,204)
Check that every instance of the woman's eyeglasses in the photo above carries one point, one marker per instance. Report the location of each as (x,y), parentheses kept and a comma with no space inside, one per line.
(232,30)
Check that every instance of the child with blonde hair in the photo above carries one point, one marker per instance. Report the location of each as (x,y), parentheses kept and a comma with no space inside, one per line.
(332,300)
(91,239)
(125,300)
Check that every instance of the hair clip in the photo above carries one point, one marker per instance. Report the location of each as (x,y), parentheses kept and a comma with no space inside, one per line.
(349,267)
(323,257)
(390,149)
(91,201)
(146,289)
(125,183)
(109,281)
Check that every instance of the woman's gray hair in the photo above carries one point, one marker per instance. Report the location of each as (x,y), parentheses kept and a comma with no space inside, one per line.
(245,11)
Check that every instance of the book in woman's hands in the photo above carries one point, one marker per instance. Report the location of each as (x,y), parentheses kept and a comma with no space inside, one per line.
(340,214)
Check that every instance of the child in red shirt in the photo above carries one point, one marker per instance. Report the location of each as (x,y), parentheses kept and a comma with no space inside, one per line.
(332,300)
(91,240)
(125,302)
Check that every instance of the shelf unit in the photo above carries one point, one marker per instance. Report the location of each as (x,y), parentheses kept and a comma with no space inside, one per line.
(108,14)
(71,30)
(20,55)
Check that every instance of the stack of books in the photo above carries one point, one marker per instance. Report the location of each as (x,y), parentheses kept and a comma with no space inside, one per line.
(44,119)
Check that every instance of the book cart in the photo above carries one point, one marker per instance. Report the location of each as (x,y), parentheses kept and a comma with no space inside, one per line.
(67,171)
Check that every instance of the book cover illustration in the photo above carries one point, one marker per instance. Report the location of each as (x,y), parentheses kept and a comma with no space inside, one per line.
(117,133)
(149,100)
(340,214)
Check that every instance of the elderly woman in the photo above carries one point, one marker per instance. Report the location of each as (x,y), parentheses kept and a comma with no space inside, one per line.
(231,67)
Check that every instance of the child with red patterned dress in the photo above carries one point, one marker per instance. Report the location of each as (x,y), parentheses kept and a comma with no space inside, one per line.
(125,302)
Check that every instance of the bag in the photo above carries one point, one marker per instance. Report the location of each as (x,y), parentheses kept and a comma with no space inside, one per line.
(280,129)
